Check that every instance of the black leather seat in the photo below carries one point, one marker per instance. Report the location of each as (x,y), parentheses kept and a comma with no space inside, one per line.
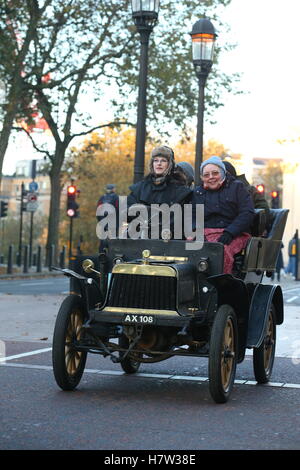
(277,223)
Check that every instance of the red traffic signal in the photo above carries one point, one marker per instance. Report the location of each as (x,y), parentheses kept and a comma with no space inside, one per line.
(72,206)
(71,190)
(275,199)
(260,188)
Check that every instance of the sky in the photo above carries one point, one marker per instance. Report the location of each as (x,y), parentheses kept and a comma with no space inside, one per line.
(267,35)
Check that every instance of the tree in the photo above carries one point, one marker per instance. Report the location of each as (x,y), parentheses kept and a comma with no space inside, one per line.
(75,49)
(72,47)
(104,157)
(185,149)
(172,84)
(107,157)
(13,53)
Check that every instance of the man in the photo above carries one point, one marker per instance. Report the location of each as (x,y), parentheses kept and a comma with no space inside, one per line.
(259,200)
(188,171)
(110,197)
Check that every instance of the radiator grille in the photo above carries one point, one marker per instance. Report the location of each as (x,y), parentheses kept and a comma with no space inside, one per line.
(147,292)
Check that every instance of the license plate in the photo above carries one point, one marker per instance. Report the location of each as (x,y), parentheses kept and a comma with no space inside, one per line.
(138,318)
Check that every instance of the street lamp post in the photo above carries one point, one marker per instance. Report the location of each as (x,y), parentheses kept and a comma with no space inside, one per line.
(203,38)
(145,15)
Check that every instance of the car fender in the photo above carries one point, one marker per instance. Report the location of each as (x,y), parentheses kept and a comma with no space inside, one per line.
(262,299)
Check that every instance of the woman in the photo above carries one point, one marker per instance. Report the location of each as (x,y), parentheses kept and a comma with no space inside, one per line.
(163,185)
(228,209)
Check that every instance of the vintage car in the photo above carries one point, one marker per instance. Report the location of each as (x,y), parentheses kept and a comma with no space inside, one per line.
(145,301)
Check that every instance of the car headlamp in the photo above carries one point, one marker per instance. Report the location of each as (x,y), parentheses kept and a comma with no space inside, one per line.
(166,234)
(203,265)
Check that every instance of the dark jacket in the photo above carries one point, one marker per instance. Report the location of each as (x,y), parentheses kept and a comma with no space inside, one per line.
(169,192)
(259,199)
(230,207)
(109,198)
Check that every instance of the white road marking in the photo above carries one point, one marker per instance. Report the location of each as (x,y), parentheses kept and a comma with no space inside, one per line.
(292,298)
(31,353)
(138,374)
(41,283)
(155,376)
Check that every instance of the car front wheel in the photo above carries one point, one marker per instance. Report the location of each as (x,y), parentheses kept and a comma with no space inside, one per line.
(68,362)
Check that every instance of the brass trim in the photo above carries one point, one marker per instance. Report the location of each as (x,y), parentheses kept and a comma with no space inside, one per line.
(144,270)
(167,258)
(141,311)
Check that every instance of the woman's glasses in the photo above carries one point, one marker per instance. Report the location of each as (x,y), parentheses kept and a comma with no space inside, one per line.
(214,173)
(160,160)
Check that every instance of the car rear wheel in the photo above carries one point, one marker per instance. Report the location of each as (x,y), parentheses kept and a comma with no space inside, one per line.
(68,362)
(128,364)
(222,354)
(263,357)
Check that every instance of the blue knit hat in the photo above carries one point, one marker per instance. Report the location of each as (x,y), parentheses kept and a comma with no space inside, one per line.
(188,170)
(214,160)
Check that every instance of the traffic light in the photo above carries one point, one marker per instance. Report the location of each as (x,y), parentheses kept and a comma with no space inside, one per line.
(3,209)
(260,188)
(275,199)
(72,206)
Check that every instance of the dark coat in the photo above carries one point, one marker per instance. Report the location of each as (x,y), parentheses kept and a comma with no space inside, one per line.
(169,192)
(259,199)
(109,198)
(230,207)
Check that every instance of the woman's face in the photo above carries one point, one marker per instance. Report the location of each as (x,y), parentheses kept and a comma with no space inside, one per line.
(160,166)
(212,177)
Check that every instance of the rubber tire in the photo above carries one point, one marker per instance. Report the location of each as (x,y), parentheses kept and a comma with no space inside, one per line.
(263,371)
(67,381)
(219,391)
(128,365)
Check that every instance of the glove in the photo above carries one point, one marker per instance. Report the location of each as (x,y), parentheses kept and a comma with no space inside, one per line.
(226,238)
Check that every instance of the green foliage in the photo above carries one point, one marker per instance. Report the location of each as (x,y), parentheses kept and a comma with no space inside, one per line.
(91,47)
(74,52)
(172,84)
(103,158)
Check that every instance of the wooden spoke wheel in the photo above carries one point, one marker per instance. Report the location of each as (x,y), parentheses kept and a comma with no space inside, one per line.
(263,357)
(223,354)
(128,364)
(68,362)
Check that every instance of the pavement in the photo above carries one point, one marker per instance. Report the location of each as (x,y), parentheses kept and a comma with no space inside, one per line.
(31,318)
(32,273)
(287,281)
(28,317)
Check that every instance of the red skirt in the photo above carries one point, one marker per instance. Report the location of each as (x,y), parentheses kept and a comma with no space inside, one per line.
(237,245)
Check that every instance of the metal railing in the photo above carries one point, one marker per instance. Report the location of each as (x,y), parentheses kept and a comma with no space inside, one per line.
(14,261)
